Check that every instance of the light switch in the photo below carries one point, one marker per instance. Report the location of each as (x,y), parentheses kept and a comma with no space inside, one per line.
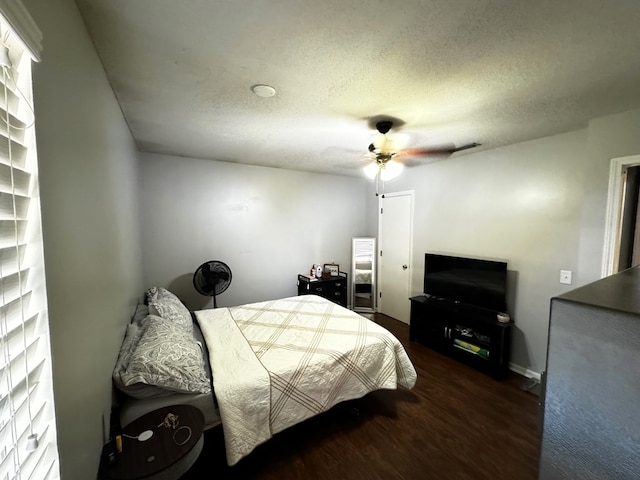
(565,277)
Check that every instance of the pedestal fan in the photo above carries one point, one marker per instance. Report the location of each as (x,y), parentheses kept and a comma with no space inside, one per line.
(212,278)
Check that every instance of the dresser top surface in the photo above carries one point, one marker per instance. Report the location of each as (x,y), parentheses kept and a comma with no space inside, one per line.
(307,278)
(620,292)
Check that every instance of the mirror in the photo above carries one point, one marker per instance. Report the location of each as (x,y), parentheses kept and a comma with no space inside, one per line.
(363,277)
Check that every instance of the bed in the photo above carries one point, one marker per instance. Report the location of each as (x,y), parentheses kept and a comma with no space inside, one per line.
(257,368)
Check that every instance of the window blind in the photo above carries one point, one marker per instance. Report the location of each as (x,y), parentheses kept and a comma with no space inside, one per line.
(28,448)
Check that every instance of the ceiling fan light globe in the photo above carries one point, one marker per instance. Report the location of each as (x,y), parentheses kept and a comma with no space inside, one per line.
(386,147)
(371,170)
(390,170)
(377,143)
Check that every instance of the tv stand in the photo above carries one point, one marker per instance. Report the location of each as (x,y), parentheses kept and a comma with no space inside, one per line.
(466,332)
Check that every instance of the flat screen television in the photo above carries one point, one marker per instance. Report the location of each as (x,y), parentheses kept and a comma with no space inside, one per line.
(482,283)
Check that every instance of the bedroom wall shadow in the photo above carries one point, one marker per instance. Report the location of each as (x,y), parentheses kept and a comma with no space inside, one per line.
(517,335)
(512,288)
(183,287)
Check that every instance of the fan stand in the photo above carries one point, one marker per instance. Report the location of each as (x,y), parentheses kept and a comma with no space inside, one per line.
(215,304)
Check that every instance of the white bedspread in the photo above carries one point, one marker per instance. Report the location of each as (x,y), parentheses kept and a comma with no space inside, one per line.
(279,362)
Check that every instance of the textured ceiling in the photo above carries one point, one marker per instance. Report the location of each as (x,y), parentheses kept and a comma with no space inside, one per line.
(454,71)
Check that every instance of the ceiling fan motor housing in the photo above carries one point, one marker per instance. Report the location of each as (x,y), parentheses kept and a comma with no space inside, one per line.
(384,126)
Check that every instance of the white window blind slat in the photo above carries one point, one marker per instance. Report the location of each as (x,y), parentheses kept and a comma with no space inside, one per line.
(10,202)
(18,429)
(9,104)
(19,396)
(13,310)
(21,180)
(14,432)
(17,400)
(11,259)
(17,369)
(26,394)
(18,151)
(39,461)
(7,460)
(10,288)
(21,413)
(18,450)
(8,233)
(15,342)
(16,125)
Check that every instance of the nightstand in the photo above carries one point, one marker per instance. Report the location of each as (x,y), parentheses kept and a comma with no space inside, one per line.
(173,447)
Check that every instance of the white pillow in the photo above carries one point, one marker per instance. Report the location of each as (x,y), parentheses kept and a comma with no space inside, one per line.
(162,354)
(166,305)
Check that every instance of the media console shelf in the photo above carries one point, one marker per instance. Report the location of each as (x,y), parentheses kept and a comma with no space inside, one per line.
(468,333)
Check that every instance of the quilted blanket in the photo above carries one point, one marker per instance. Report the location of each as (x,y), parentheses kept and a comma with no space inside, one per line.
(279,362)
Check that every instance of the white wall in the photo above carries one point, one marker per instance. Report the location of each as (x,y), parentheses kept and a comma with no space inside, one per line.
(520,203)
(609,137)
(539,205)
(88,174)
(267,224)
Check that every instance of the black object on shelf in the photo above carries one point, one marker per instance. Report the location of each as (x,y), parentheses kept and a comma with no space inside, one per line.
(331,288)
(466,332)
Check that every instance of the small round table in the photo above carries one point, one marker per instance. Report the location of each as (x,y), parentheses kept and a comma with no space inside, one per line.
(171,450)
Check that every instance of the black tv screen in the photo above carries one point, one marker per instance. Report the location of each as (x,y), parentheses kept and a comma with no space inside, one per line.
(473,281)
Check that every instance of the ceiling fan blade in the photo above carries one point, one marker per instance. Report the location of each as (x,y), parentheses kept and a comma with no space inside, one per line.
(466,147)
(437,151)
(415,161)
(428,152)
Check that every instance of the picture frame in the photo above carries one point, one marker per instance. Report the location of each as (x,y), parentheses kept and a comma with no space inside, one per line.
(332,268)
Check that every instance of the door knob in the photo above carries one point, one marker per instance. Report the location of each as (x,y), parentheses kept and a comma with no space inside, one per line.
(404,267)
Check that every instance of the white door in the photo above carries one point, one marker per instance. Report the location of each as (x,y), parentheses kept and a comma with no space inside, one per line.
(613,225)
(394,254)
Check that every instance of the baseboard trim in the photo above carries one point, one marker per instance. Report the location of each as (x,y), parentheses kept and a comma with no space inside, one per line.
(525,372)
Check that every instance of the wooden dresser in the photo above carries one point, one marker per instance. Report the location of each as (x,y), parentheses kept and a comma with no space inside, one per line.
(332,288)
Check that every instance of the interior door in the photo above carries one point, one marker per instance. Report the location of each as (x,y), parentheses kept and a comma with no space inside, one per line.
(394,254)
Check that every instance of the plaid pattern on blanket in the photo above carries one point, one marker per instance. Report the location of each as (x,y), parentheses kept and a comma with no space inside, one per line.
(280,362)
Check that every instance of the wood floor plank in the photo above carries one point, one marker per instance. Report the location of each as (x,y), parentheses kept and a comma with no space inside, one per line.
(456,423)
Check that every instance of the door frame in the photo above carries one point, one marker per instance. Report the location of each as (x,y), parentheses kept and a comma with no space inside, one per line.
(613,218)
(411,194)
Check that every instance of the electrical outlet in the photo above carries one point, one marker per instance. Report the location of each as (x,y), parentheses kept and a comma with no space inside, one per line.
(565,277)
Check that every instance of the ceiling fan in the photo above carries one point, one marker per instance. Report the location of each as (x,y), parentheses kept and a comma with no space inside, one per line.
(386,159)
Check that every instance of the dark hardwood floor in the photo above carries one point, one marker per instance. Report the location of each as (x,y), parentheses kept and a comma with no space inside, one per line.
(456,423)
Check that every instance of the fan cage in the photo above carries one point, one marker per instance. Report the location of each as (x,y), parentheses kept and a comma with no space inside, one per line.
(212,278)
